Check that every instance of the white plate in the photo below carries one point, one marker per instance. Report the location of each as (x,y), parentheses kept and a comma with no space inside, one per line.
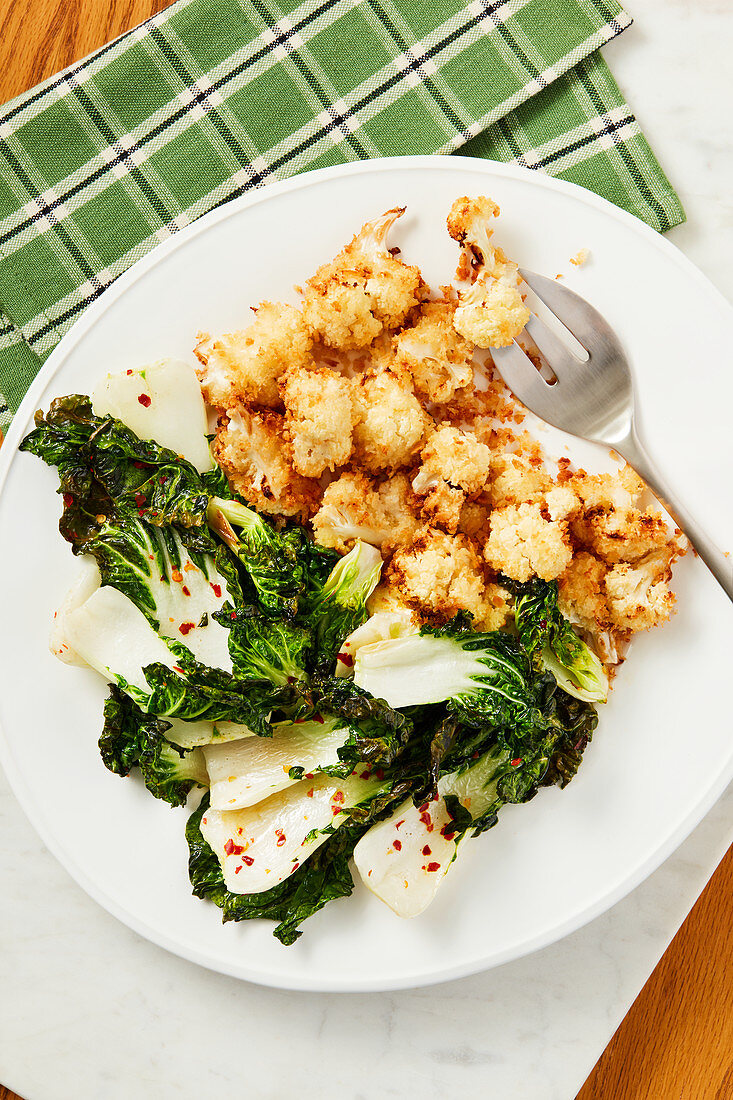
(663,751)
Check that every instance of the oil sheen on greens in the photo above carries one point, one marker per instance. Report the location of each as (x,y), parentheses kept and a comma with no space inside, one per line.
(509,711)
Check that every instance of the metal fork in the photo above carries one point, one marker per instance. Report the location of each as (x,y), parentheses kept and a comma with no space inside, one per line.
(594,399)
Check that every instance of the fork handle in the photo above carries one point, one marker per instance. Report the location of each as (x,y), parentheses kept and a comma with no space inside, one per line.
(721,566)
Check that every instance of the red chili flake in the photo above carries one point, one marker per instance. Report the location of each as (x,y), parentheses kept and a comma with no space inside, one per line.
(346,659)
(427,821)
(379,772)
(516,761)
(397,825)
(424,807)
(185,591)
(185,627)
(177,668)
(433,867)
(176,575)
(233,849)
(281,838)
(233,615)
(144,400)
(237,869)
(296,865)
(397,845)
(308,775)
(217,590)
(129,372)
(240,830)
(474,755)
(366,774)
(448,832)
(68,500)
(140,500)
(310,793)
(248,860)
(319,718)
(426,850)
(338,797)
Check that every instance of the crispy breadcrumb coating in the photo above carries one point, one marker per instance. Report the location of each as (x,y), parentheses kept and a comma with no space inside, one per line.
(356,507)
(250,449)
(246,365)
(638,594)
(491,312)
(363,290)
(524,541)
(440,574)
(620,535)
(454,467)
(390,422)
(439,358)
(516,480)
(319,419)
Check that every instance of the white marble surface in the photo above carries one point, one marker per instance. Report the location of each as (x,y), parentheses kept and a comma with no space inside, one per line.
(88,1010)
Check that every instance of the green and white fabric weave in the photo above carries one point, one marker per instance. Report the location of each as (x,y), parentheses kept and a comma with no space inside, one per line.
(211,98)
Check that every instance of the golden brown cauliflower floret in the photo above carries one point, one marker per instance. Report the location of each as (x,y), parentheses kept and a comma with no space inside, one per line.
(638,594)
(582,599)
(582,593)
(621,535)
(319,419)
(355,507)
(390,421)
(524,541)
(454,467)
(491,312)
(249,448)
(440,574)
(245,366)
(618,490)
(439,359)
(363,290)
(515,480)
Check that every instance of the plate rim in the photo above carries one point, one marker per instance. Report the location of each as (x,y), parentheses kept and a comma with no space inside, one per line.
(22,790)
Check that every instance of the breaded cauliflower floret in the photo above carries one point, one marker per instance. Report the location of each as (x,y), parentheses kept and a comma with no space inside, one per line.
(516,480)
(441,574)
(582,593)
(390,421)
(245,366)
(319,419)
(638,595)
(249,448)
(439,359)
(524,541)
(617,490)
(491,311)
(621,535)
(363,290)
(355,507)
(582,599)
(454,467)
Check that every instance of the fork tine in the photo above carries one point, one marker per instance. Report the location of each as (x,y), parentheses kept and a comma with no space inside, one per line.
(521,376)
(586,323)
(552,347)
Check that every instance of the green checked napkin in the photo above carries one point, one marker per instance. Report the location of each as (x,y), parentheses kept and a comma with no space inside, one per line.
(211,98)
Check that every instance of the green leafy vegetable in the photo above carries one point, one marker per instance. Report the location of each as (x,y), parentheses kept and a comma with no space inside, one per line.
(544,630)
(323,878)
(340,606)
(265,648)
(272,559)
(131,738)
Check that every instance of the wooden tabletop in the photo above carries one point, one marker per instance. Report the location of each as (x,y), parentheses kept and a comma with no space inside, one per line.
(676,1042)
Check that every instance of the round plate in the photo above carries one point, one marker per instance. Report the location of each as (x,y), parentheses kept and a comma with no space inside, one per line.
(663,751)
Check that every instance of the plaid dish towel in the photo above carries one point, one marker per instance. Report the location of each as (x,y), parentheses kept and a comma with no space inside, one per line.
(211,98)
